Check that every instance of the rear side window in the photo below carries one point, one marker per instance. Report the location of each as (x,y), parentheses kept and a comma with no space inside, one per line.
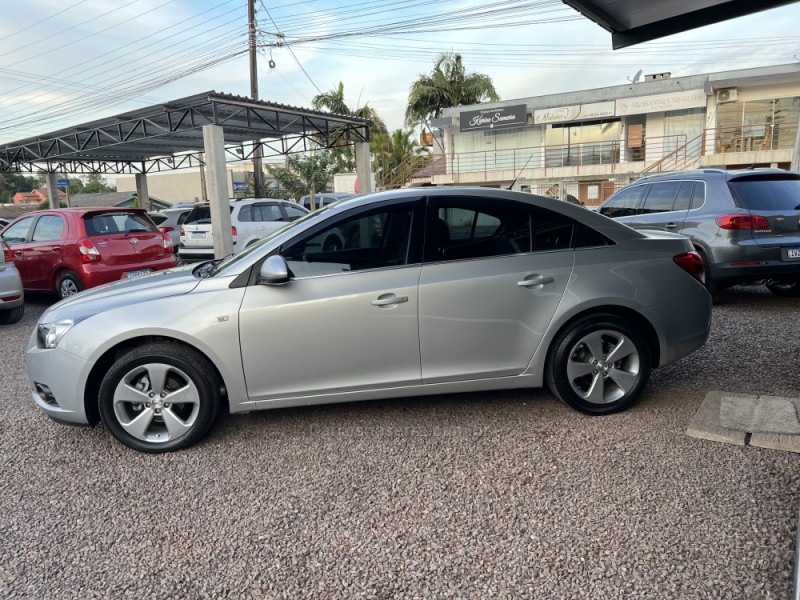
(623,203)
(158,219)
(684,199)
(200,215)
(767,192)
(661,197)
(294,212)
(48,228)
(699,195)
(97,224)
(267,212)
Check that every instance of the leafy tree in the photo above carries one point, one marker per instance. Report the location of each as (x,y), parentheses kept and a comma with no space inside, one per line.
(11,183)
(334,101)
(447,85)
(396,156)
(307,174)
(46,204)
(95,184)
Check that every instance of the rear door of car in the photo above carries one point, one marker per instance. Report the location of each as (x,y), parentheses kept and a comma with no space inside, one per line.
(664,207)
(774,197)
(267,217)
(124,238)
(493,276)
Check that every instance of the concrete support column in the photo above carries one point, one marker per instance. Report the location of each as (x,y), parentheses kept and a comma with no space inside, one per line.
(142,195)
(217,188)
(52,190)
(363,168)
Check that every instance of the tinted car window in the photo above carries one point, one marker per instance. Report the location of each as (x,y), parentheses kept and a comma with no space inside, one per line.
(48,228)
(684,198)
(551,232)
(293,212)
(473,228)
(699,195)
(246,213)
(98,224)
(766,192)
(661,197)
(18,232)
(267,212)
(361,242)
(200,215)
(624,203)
(158,219)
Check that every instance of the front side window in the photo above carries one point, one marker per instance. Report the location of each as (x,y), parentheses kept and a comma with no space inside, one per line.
(372,241)
(624,203)
(48,228)
(18,232)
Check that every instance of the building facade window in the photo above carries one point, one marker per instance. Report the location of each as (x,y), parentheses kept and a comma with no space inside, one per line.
(767,124)
(586,143)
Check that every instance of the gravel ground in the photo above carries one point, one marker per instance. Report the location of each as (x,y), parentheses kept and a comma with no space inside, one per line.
(495,495)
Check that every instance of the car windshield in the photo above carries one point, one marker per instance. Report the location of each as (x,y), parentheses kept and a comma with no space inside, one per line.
(225,265)
(767,192)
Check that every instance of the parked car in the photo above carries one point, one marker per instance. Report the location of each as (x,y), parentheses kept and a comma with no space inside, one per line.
(251,220)
(12,296)
(169,221)
(442,290)
(744,224)
(322,199)
(70,249)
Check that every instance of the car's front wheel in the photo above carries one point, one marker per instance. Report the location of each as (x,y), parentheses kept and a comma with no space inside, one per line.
(159,397)
(599,365)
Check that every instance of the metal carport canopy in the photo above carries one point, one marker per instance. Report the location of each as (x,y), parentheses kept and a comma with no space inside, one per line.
(634,21)
(170,136)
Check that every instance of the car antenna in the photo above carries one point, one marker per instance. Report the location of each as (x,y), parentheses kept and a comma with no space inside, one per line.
(520,172)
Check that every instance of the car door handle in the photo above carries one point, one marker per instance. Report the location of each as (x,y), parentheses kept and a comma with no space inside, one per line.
(535,280)
(56,249)
(389,300)
(670,226)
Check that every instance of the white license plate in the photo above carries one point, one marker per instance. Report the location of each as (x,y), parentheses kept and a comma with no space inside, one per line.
(198,235)
(132,274)
(793,252)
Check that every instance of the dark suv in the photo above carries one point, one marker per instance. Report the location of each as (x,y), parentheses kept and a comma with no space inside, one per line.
(745,224)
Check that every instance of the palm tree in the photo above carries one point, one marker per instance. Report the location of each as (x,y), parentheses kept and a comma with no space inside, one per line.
(333,100)
(447,85)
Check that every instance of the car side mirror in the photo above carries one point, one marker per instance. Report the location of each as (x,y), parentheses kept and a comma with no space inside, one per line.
(274,271)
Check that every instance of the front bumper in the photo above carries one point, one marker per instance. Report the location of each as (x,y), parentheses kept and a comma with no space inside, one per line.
(59,380)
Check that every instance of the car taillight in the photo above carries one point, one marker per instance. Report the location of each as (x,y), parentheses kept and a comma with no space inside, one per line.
(742,222)
(89,253)
(166,229)
(692,263)
(7,256)
(233,230)
(167,241)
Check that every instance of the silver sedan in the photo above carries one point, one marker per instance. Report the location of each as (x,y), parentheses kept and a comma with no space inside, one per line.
(432,291)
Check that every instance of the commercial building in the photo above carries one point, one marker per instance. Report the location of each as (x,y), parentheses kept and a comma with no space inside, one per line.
(589,143)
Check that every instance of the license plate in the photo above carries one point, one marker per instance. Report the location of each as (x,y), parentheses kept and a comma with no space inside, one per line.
(198,235)
(793,252)
(132,274)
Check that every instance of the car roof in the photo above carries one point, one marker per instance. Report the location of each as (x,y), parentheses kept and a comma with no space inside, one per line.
(711,173)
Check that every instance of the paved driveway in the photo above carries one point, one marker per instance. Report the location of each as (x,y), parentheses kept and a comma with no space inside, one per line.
(501,495)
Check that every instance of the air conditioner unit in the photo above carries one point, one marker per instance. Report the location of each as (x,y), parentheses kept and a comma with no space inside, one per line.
(727,95)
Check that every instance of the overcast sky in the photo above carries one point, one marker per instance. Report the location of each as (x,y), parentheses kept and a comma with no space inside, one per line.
(66,62)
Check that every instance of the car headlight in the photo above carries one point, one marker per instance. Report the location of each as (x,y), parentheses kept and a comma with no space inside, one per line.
(51,333)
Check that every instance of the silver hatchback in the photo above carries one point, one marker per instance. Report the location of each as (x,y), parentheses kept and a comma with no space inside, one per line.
(431,291)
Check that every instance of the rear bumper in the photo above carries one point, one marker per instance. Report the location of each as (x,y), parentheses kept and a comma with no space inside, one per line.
(11,294)
(733,273)
(92,275)
(683,325)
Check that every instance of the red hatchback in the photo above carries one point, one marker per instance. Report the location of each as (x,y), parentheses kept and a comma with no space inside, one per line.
(69,249)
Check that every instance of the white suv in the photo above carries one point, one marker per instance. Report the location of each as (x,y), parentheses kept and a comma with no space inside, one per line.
(251,220)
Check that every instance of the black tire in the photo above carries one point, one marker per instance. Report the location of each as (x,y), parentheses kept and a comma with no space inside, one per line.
(570,355)
(785,289)
(714,288)
(68,284)
(188,376)
(331,244)
(12,315)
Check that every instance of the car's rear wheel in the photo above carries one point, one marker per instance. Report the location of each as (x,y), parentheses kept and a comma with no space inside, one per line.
(599,365)
(787,289)
(159,397)
(68,284)
(12,315)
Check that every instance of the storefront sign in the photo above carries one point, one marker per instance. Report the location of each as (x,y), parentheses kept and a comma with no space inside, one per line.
(577,112)
(661,103)
(494,118)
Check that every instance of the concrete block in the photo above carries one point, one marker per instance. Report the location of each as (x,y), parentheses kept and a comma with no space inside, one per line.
(705,423)
(768,414)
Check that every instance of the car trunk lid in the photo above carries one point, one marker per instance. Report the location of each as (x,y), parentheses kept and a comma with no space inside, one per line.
(124,237)
(773,200)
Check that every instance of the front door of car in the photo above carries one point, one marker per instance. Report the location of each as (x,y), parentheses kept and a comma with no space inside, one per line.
(45,251)
(17,236)
(346,320)
(493,276)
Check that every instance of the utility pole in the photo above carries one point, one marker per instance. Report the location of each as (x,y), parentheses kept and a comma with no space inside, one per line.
(258,175)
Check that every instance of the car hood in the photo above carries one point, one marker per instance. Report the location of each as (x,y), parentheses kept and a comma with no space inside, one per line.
(160,284)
